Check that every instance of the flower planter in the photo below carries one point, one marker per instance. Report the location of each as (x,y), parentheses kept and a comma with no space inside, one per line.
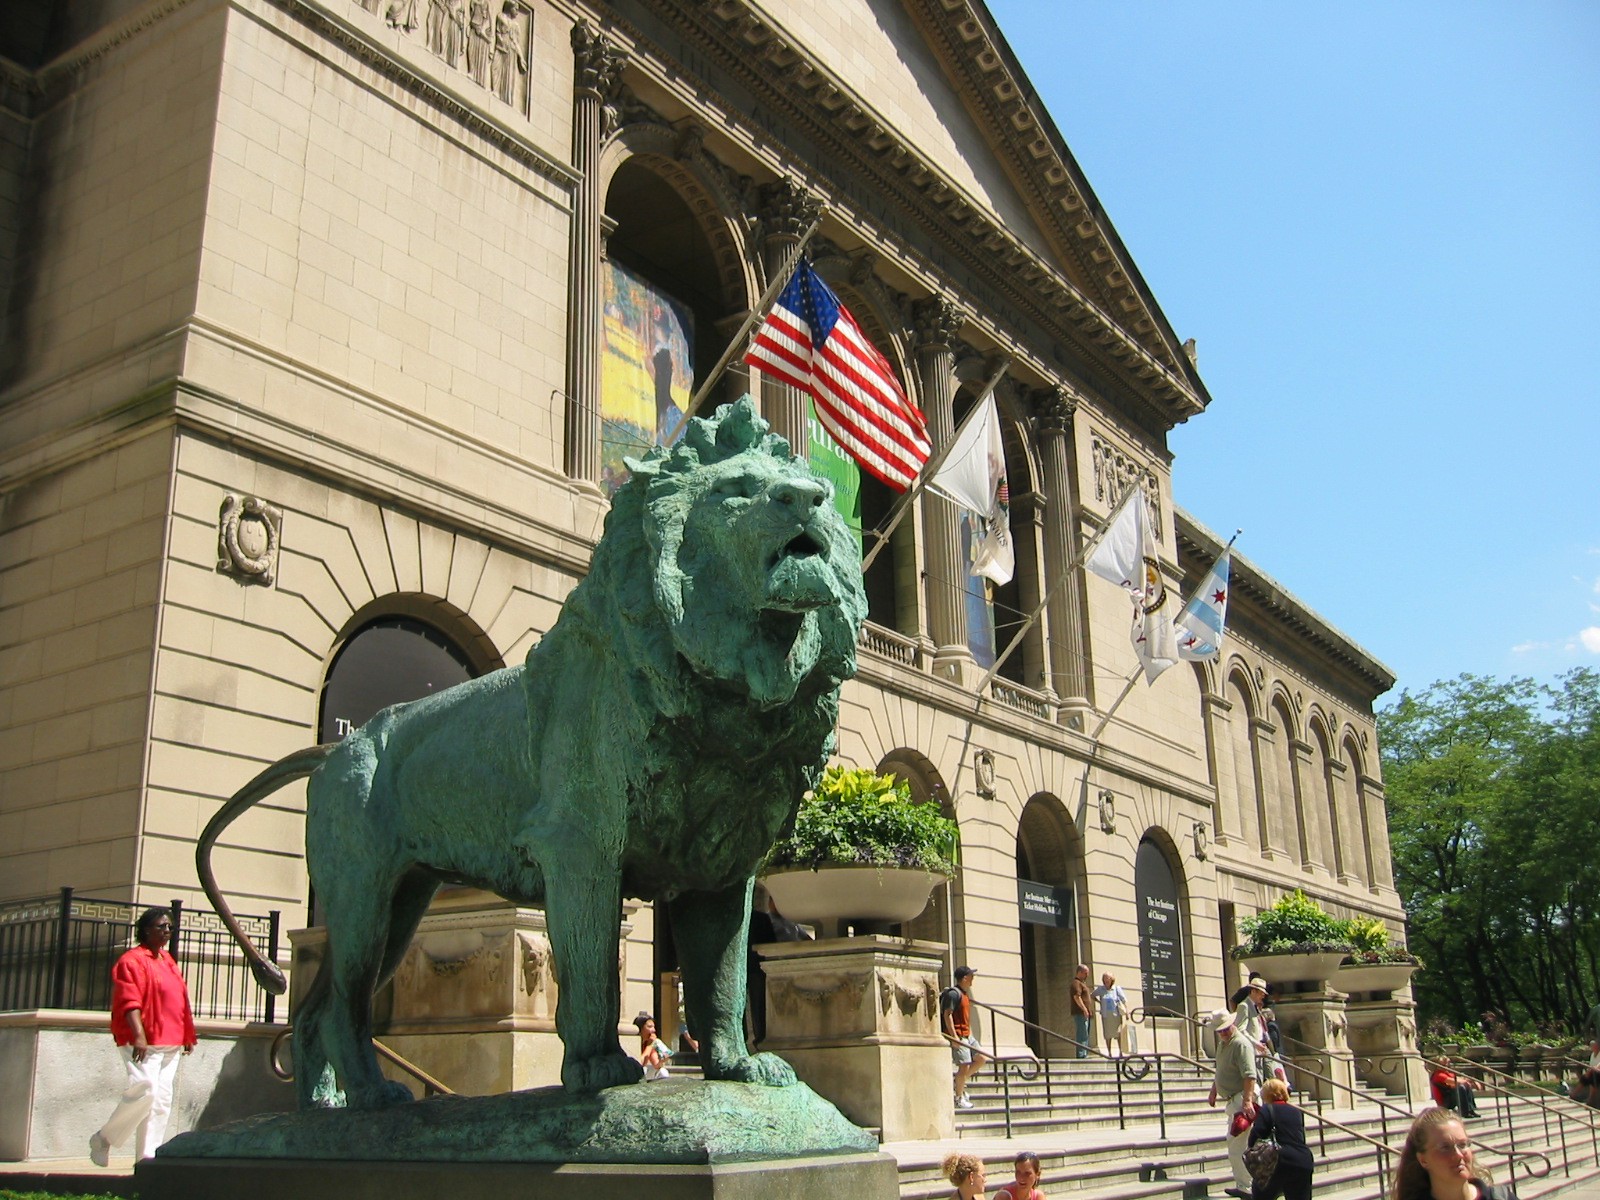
(1479,1053)
(1284,970)
(855,894)
(1372,977)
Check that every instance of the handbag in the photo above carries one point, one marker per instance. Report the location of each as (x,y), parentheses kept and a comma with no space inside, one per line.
(1261,1160)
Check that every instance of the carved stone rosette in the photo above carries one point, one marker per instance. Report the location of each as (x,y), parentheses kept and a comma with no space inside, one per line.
(249,531)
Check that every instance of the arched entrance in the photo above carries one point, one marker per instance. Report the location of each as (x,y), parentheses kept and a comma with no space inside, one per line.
(943,921)
(1049,887)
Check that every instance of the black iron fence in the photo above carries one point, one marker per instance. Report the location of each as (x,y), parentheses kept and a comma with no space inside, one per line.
(57,951)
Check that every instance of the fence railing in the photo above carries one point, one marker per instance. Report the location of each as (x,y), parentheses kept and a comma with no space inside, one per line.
(57,952)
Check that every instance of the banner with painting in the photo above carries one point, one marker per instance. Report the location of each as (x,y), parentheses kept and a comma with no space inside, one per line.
(646,369)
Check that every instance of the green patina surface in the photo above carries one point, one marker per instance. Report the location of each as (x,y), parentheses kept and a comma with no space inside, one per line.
(668,1121)
(653,745)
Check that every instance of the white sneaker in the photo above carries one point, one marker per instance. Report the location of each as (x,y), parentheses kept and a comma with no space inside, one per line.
(99,1150)
(963,1102)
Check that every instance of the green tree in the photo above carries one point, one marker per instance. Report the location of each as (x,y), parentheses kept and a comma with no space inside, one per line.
(1494,817)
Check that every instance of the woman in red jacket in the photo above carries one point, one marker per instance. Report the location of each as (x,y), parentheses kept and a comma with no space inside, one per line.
(152,1026)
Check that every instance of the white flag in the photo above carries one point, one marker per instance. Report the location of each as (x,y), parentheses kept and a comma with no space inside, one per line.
(1201,622)
(1128,555)
(973,475)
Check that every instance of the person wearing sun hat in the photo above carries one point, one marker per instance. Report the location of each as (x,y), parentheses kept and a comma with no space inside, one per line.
(1234,1082)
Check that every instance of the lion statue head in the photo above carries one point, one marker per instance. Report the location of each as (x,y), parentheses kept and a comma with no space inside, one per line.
(726,556)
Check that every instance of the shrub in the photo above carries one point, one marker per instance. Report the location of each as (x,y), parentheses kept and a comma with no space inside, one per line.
(1296,924)
(860,817)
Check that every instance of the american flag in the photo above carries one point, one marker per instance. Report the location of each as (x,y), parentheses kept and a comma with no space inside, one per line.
(810,341)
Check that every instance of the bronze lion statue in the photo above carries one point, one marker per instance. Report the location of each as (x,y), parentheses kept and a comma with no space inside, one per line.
(653,745)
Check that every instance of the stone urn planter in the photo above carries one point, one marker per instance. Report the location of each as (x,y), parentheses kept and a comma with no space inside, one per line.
(1372,977)
(854,894)
(1292,972)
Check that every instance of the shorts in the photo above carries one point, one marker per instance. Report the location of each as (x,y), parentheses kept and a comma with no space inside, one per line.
(963,1050)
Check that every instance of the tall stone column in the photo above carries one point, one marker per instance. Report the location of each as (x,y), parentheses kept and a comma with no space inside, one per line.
(1053,409)
(937,321)
(596,67)
(787,211)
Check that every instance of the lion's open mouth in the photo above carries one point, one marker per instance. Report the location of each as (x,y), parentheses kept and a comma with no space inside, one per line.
(798,576)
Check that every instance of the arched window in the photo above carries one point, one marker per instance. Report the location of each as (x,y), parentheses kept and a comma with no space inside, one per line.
(385,661)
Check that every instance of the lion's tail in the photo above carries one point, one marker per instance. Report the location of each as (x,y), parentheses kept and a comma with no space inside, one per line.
(286,770)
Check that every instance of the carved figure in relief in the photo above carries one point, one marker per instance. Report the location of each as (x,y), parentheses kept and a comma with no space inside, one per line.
(455,32)
(653,745)
(480,41)
(509,61)
(438,21)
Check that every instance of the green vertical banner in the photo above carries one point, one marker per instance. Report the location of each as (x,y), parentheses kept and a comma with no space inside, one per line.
(828,459)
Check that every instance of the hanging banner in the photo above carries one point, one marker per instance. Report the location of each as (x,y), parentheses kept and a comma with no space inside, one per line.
(1160,928)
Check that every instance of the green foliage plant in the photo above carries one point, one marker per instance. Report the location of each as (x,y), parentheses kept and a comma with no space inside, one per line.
(1372,945)
(1296,924)
(859,817)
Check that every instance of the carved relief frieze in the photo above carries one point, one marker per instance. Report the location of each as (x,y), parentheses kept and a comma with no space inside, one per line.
(1115,472)
(788,997)
(487,41)
(249,532)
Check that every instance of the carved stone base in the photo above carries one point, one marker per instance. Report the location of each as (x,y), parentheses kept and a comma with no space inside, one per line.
(1383,1038)
(473,1002)
(858,1019)
(1320,1022)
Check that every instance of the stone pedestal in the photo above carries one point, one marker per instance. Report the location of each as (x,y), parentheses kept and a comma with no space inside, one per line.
(858,1019)
(1319,1021)
(473,1002)
(1383,1039)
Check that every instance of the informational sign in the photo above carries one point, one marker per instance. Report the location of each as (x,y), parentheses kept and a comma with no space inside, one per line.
(1041,904)
(1160,928)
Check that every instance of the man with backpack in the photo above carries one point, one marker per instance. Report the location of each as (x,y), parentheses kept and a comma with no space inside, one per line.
(955,1020)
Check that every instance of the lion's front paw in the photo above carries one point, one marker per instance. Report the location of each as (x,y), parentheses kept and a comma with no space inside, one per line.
(602,1071)
(755,1068)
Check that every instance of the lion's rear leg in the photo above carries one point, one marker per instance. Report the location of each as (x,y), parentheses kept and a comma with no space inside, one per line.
(359,926)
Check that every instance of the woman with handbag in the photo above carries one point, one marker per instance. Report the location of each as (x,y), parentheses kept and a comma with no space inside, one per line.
(1280,1162)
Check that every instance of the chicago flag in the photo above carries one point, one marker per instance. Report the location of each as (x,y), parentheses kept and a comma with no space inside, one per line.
(1201,621)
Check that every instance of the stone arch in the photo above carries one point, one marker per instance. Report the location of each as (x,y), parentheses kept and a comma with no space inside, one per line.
(1324,787)
(1049,851)
(1355,764)
(698,179)
(944,920)
(1286,823)
(1247,805)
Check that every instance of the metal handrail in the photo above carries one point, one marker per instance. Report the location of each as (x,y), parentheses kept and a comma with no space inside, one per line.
(1505,1096)
(430,1085)
(1384,1106)
(1381,1150)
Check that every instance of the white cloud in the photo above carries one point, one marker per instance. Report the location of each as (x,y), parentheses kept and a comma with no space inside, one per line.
(1590,638)
(1529,647)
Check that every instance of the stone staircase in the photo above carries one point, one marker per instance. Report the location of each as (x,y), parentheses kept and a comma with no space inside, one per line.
(1072,1123)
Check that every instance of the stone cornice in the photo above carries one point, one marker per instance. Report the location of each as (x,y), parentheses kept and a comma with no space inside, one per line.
(1198,549)
(763,59)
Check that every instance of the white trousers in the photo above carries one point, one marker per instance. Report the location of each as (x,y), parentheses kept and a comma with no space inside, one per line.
(146,1102)
(1236,1145)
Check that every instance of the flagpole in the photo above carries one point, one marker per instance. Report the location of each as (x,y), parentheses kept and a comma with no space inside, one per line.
(1066,571)
(776,285)
(902,505)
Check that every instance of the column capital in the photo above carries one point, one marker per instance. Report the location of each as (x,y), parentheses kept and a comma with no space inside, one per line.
(935,321)
(1053,409)
(787,210)
(597,62)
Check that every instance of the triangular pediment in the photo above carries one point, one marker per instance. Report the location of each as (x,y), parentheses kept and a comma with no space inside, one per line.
(875,49)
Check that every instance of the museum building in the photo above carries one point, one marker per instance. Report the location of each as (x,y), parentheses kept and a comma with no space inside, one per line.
(328,325)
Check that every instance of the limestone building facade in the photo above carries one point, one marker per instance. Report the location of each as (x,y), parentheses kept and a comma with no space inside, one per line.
(320,317)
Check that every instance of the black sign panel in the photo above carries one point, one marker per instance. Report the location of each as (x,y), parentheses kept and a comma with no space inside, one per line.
(1041,904)
(1160,928)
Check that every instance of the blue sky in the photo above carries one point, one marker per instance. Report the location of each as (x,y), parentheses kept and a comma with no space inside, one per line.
(1381,224)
